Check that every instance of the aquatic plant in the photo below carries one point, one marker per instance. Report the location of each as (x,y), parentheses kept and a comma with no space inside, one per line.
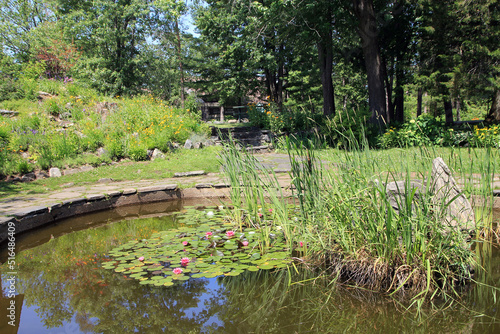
(349,226)
(204,246)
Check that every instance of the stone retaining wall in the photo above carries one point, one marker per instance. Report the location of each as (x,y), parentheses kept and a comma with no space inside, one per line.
(43,215)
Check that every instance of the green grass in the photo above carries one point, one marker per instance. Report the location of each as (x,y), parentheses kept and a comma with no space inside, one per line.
(181,161)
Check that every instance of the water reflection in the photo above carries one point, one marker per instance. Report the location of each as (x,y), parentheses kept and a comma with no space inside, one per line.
(63,283)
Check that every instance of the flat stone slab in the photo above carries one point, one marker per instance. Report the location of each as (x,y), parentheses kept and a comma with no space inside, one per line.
(221,185)
(74,201)
(282,170)
(204,185)
(193,173)
(31,211)
(164,187)
(129,191)
(95,197)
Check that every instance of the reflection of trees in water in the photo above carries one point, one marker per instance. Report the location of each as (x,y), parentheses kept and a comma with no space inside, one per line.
(63,279)
(118,306)
(267,304)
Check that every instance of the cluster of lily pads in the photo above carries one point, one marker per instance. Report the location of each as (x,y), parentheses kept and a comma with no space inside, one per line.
(205,245)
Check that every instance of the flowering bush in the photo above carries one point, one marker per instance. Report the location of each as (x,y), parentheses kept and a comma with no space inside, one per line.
(424,130)
(486,137)
(74,121)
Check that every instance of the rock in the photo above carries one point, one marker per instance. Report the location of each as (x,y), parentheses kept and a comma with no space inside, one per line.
(41,175)
(209,142)
(101,151)
(12,179)
(44,95)
(66,115)
(188,144)
(105,180)
(157,154)
(55,172)
(86,168)
(173,146)
(197,145)
(8,113)
(265,138)
(232,121)
(396,192)
(79,134)
(449,197)
(193,173)
(28,177)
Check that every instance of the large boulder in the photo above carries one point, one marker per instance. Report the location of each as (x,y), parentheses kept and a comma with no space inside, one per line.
(446,196)
(55,172)
(449,197)
(188,144)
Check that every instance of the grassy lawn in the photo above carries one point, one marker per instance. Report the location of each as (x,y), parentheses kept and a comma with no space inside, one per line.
(462,161)
(181,161)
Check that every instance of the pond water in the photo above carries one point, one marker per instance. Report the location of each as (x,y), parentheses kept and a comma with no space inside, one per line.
(62,288)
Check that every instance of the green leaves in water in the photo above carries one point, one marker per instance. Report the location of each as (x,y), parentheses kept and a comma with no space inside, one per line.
(206,246)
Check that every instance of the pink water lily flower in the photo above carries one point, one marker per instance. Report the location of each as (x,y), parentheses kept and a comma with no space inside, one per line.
(230,234)
(177,271)
(245,243)
(141,258)
(301,244)
(185,243)
(184,261)
(208,234)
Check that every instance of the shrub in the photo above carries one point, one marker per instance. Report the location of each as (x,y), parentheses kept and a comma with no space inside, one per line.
(486,137)
(424,130)
(257,116)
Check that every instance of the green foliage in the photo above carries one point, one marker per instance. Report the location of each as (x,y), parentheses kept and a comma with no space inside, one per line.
(257,115)
(127,129)
(486,137)
(348,219)
(346,125)
(425,130)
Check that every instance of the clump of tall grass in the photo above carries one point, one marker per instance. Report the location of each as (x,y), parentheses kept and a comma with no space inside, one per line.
(348,223)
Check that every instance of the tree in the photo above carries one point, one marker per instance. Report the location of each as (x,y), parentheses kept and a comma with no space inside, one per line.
(368,31)
(18,20)
(112,35)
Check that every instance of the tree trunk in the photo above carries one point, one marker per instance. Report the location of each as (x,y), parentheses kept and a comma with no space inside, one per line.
(179,55)
(457,108)
(389,80)
(448,111)
(494,113)
(399,102)
(368,32)
(419,102)
(399,99)
(325,53)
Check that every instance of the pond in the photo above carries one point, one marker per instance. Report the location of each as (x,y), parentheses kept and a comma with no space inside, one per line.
(62,288)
